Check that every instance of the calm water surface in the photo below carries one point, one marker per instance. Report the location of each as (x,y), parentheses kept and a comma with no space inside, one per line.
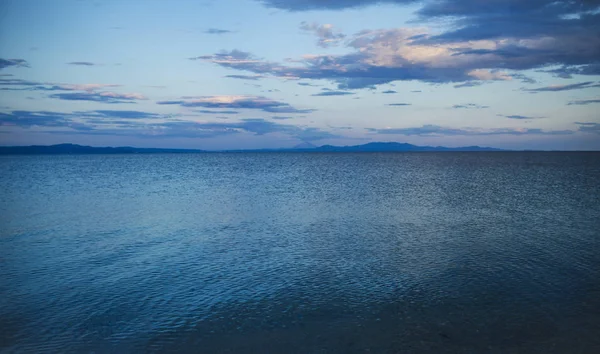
(306,253)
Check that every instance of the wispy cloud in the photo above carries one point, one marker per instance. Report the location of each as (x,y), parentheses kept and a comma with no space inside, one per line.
(102,97)
(584,102)
(82,63)
(589,127)
(217,31)
(245,77)
(236,102)
(389,91)
(469,106)
(207,111)
(520,117)
(554,88)
(333,93)
(326,35)
(5,63)
(436,130)
(398,104)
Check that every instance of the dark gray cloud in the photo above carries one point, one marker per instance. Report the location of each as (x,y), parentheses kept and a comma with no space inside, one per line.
(436,130)
(469,106)
(237,102)
(103,97)
(389,91)
(216,31)
(333,93)
(554,88)
(583,102)
(589,127)
(245,77)
(82,63)
(5,63)
(326,35)
(398,104)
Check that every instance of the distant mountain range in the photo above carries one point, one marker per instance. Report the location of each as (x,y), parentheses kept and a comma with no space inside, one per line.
(62,149)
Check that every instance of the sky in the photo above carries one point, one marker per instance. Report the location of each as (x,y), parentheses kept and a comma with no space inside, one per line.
(244,74)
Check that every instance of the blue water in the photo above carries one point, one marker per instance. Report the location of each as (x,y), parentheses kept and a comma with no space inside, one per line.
(306,253)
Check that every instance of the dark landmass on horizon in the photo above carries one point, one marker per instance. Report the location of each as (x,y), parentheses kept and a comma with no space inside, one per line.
(61,149)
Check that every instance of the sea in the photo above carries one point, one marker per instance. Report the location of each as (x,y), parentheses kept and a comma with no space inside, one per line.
(434,252)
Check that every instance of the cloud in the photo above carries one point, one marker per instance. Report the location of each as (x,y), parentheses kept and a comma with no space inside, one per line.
(281,117)
(436,130)
(306,5)
(484,41)
(469,84)
(583,102)
(216,31)
(326,35)
(469,106)
(588,127)
(28,119)
(245,77)
(189,129)
(49,86)
(125,114)
(82,63)
(389,91)
(103,97)
(333,93)
(398,104)
(517,116)
(554,88)
(5,63)
(236,102)
(308,84)
(206,111)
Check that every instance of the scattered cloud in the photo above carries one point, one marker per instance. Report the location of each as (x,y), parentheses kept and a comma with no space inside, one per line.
(389,91)
(327,36)
(469,106)
(584,102)
(82,63)
(484,41)
(554,88)
(103,97)
(217,31)
(436,130)
(5,63)
(333,93)
(236,102)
